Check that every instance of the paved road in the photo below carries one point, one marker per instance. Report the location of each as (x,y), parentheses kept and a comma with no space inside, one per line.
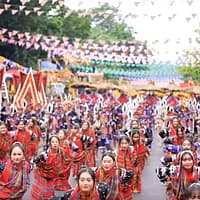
(152,189)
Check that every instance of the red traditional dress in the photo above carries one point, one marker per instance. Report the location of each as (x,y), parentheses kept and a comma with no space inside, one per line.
(139,156)
(90,148)
(180,181)
(37,134)
(172,131)
(177,140)
(112,178)
(78,158)
(61,181)
(14,180)
(5,143)
(78,194)
(125,160)
(44,175)
(24,137)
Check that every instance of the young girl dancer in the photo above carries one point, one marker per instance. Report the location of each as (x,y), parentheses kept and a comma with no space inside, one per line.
(115,177)
(125,160)
(14,177)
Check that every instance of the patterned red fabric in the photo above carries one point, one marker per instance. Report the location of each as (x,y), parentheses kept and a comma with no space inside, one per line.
(53,165)
(139,155)
(14,180)
(41,188)
(79,156)
(112,179)
(77,194)
(178,141)
(45,175)
(172,132)
(125,160)
(61,181)
(182,180)
(5,143)
(35,142)
(90,151)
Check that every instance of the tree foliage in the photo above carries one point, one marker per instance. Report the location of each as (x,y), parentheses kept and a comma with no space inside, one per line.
(72,26)
(108,28)
(189,72)
(192,70)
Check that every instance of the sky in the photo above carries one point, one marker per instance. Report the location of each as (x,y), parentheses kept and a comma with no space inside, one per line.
(168,25)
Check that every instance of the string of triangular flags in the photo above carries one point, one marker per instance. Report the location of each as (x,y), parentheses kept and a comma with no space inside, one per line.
(121,51)
(14,9)
(87,50)
(41,2)
(38,10)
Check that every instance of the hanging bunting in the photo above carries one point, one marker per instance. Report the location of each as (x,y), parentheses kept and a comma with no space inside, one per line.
(190,2)
(27,12)
(21,8)
(6,6)
(14,11)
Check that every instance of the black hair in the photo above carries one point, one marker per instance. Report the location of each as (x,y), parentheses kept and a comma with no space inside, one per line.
(33,120)
(110,154)
(186,152)
(124,137)
(88,124)
(16,144)
(190,140)
(192,189)
(84,169)
(180,127)
(2,123)
(64,131)
(22,121)
(135,131)
(175,117)
(54,136)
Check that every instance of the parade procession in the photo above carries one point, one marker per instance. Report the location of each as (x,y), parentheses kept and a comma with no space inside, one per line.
(93,106)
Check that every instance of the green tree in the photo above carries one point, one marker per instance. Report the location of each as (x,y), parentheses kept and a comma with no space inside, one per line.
(47,24)
(107,26)
(192,70)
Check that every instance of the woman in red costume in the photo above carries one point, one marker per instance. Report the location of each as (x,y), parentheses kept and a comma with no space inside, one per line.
(86,188)
(49,166)
(61,182)
(35,135)
(5,142)
(115,177)
(14,177)
(89,143)
(179,178)
(180,135)
(74,139)
(23,135)
(125,161)
(140,154)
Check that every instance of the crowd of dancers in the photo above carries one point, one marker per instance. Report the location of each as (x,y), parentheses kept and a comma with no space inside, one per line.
(67,138)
